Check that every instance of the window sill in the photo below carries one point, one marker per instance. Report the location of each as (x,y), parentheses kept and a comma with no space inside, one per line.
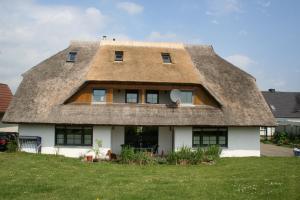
(186,105)
(98,102)
(73,146)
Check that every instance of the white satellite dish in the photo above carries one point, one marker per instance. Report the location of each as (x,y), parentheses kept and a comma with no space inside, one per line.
(175,95)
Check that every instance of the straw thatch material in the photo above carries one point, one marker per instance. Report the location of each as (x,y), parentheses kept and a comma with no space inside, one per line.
(40,97)
(143,63)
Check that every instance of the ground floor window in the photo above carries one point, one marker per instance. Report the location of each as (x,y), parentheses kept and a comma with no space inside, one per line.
(74,135)
(203,137)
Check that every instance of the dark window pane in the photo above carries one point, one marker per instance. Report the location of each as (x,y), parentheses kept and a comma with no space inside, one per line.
(152,97)
(73,135)
(209,136)
(99,95)
(132,97)
(60,139)
(118,55)
(87,139)
(186,97)
(166,57)
(72,56)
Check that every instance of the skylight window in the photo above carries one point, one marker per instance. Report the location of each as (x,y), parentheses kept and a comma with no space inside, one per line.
(118,55)
(72,56)
(166,58)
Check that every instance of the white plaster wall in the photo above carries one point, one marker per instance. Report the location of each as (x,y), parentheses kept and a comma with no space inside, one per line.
(102,133)
(242,141)
(47,133)
(117,139)
(182,137)
(164,140)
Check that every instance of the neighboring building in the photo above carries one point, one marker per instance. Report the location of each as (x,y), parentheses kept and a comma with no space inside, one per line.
(119,92)
(285,107)
(5,98)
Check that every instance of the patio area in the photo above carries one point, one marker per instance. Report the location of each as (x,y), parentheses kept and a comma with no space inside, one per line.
(273,150)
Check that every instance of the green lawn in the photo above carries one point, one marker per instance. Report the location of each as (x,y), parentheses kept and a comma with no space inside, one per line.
(28,176)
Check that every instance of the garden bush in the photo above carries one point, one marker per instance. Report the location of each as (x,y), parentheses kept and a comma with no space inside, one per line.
(12,146)
(127,155)
(187,155)
(184,156)
(212,153)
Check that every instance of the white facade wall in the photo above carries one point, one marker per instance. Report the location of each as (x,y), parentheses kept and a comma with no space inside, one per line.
(117,139)
(183,137)
(242,141)
(47,133)
(102,133)
(164,140)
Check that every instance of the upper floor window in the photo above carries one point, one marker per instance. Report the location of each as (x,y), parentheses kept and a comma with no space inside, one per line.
(203,137)
(186,97)
(166,58)
(72,56)
(132,96)
(152,96)
(99,95)
(118,55)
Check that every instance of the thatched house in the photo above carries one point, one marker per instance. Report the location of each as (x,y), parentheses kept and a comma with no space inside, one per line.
(119,92)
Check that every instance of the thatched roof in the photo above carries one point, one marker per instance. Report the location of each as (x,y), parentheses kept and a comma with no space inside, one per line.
(40,96)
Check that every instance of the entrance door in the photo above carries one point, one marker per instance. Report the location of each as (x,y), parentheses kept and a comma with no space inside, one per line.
(142,137)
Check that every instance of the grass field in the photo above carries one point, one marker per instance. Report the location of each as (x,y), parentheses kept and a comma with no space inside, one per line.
(29,176)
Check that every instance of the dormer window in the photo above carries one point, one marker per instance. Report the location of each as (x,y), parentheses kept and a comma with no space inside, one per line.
(118,55)
(72,56)
(99,96)
(166,58)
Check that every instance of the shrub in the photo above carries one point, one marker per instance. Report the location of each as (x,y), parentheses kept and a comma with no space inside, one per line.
(280,138)
(161,160)
(172,158)
(184,155)
(212,153)
(143,158)
(197,156)
(127,155)
(12,146)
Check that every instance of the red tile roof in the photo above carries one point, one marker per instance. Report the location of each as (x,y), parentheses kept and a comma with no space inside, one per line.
(5,97)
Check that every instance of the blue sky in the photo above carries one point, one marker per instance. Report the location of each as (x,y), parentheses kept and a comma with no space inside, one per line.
(259,36)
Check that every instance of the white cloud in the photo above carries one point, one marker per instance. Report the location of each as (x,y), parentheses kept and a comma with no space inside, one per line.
(215,22)
(264,4)
(157,36)
(30,32)
(243,33)
(130,7)
(241,61)
(223,7)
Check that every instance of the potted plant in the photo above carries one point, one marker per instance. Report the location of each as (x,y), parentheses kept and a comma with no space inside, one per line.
(97,151)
